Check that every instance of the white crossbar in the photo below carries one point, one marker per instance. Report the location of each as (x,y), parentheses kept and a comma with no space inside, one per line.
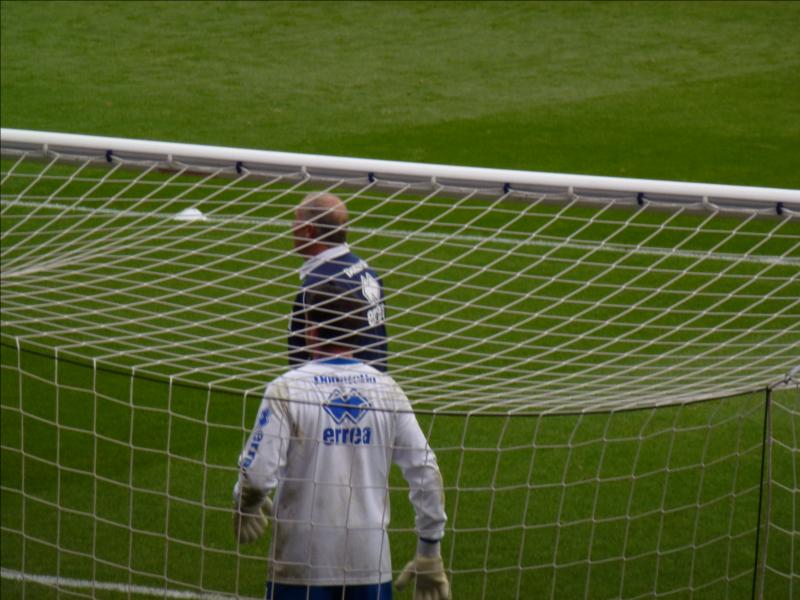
(39,141)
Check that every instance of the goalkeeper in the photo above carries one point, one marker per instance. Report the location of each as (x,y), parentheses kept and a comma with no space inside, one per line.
(320,235)
(325,437)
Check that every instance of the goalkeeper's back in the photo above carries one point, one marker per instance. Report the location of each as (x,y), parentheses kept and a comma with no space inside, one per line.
(325,438)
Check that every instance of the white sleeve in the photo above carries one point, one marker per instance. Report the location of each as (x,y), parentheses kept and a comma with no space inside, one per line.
(417,462)
(264,454)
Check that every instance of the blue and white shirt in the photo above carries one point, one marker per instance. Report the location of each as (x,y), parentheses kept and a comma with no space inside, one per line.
(325,437)
(340,264)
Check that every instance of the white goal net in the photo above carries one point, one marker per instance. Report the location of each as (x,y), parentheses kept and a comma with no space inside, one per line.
(602,365)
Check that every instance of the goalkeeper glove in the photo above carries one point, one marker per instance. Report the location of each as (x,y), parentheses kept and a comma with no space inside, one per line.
(252,508)
(431,584)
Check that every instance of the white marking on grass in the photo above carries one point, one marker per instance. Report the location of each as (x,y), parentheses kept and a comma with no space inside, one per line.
(467,238)
(86,584)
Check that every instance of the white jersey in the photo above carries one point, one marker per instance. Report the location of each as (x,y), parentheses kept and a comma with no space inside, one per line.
(325,436)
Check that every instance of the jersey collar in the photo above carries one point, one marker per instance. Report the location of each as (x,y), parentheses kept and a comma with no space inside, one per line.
(323,257)
(338,360)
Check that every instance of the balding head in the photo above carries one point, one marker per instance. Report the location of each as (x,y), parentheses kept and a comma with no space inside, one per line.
(320,222)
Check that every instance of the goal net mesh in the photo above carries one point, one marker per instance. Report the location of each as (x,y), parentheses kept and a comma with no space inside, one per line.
(603,376)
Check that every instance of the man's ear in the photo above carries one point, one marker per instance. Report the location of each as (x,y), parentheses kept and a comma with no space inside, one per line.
(312,336)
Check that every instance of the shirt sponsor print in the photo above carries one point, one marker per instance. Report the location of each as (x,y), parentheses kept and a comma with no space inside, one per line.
(346,408)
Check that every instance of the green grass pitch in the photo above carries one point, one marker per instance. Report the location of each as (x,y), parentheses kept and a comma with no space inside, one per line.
(121,479)
(130,479)
(124,475)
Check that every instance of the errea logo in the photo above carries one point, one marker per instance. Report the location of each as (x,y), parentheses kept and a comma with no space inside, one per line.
(346,407)
(343,407)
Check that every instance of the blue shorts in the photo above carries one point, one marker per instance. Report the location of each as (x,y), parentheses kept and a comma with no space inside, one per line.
(375,591)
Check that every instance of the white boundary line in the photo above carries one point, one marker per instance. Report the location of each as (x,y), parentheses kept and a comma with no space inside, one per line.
(428,235)
(86,584)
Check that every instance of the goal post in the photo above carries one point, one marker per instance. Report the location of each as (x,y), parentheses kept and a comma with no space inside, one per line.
(602,365)
(210,158)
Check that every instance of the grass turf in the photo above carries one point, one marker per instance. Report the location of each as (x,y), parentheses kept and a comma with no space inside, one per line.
(123,478)
(694,91)
(129,480)
(672,90)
